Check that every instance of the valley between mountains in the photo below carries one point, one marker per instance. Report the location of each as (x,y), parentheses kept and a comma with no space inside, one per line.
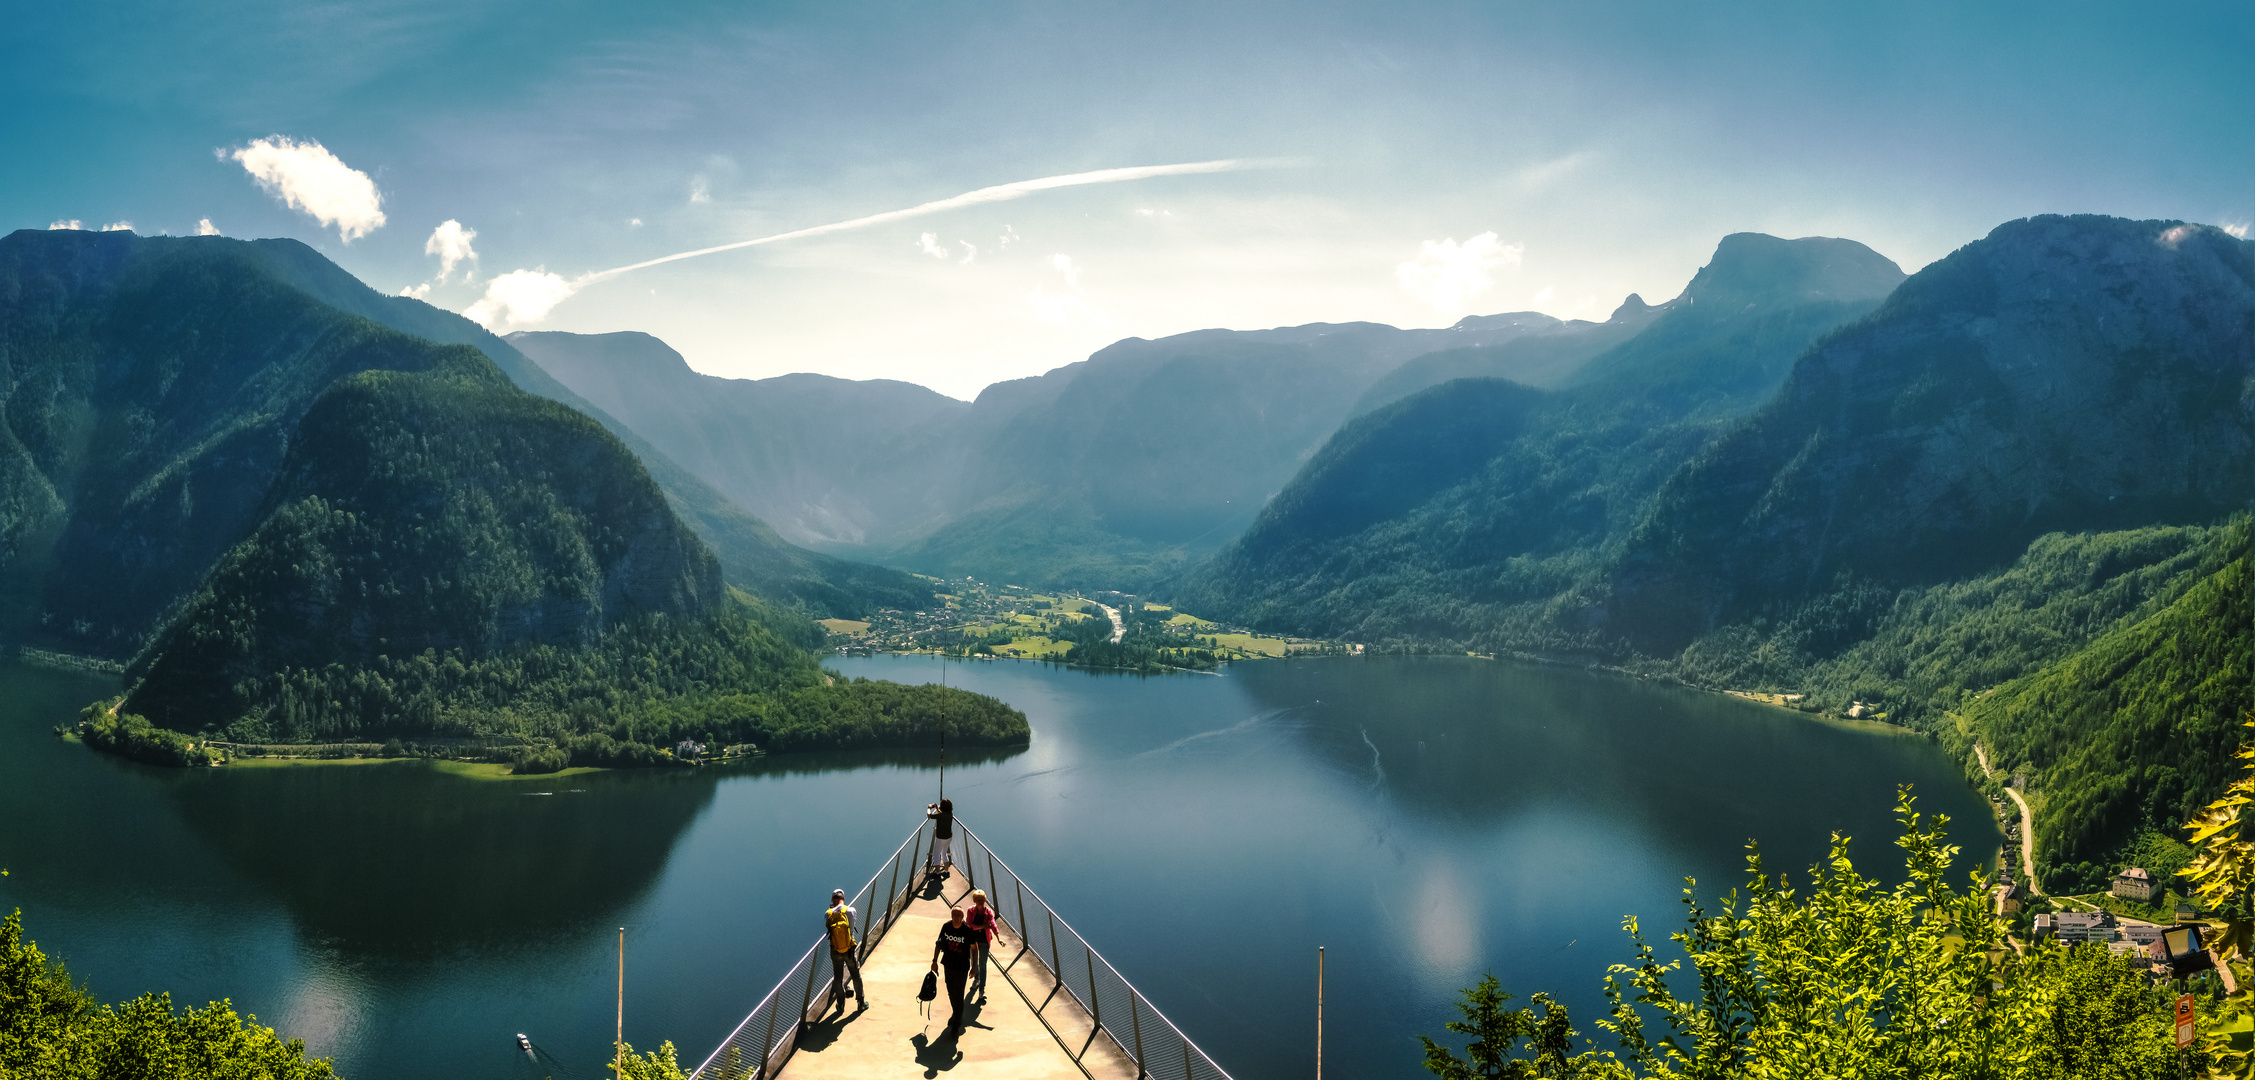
(2001,501)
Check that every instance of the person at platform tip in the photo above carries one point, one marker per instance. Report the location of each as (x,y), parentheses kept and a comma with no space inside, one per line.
(942,814)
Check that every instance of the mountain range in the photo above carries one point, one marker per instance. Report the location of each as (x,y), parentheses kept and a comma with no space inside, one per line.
(1119,470)
(2001,501)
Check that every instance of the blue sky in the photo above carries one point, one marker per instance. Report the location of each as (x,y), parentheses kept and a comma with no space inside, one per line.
(1606,147)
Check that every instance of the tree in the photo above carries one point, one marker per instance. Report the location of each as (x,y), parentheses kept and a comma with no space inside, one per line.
(1497,1033)
(2222,875)
(1844,977)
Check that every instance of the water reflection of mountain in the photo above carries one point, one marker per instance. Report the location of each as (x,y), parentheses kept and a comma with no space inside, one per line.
(1480,742)
(399,857)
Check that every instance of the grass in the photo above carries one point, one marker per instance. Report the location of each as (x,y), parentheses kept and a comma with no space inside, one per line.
(1033,648)
(485,770)
(1257,646)
(247,762)
(1181,619)
(843,626)
(467,770)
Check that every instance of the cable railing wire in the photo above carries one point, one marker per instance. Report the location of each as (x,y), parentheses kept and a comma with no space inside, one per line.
(764,1039)
(1118,1011)
(1120,1020)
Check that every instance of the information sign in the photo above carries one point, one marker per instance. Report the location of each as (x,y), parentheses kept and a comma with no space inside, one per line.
(2184,1021)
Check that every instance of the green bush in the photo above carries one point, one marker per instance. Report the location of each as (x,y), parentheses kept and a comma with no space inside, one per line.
(54,1030)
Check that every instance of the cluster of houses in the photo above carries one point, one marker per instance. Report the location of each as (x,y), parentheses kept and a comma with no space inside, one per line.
(2139,940)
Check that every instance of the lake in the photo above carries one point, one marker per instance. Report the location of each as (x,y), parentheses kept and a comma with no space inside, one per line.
(1426,820)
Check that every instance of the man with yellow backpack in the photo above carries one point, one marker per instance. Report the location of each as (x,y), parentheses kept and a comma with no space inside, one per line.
(837,926)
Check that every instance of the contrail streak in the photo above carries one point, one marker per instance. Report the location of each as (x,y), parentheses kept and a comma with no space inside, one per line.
(525,297)
(997,193)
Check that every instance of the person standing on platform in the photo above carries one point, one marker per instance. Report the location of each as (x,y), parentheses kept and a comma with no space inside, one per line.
(837,926)
(982,920)
(954,949)
(942,814)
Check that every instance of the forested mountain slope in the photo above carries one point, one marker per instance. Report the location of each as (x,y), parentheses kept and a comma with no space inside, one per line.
(2061,374)
(301,525)
(151,389)
(751,554)
(2131,731)
(1471,505)
(1994,509)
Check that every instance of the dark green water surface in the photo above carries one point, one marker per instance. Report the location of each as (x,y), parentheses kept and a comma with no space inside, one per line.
(1426,820)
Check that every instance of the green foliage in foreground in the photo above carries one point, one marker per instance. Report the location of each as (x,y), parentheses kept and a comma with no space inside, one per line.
(53,1030)
(1843,978)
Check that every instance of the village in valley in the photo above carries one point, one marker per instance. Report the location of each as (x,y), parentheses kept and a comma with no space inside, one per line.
(1103,629)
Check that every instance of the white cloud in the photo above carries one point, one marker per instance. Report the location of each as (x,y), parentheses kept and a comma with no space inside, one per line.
(118,226)
(970,251)
(2174,235)
(416,292)
(1064,265)
(1447,275)
(519,298)
(929,244)
(700,190)
(308,177)
(204,227)
(2238,229)
(71,223)
(634,222)
(451,243)
(1009,236)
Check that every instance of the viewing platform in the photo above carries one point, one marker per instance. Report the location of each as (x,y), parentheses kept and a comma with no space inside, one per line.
(1053,1007)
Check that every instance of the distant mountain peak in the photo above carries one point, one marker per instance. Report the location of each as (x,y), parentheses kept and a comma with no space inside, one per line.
(1757,269)
(1629,309)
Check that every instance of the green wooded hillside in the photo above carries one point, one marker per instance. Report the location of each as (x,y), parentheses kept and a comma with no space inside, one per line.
(2131,731)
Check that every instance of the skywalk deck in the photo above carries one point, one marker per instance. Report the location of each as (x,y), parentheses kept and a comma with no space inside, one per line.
(1003,1039)
(1053,1006)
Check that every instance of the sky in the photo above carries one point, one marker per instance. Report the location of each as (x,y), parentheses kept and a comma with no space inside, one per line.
(1400,163)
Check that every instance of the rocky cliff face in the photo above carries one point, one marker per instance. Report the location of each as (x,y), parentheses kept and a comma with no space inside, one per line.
(2064,373)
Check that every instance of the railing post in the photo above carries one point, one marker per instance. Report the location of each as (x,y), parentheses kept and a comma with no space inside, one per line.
(1055,968)
(968,877)
(991,879)
(1135,1023)
(892,892)
(1095,1010)
(1185,1055)
(1023,940)
(767,1048)
(814,964)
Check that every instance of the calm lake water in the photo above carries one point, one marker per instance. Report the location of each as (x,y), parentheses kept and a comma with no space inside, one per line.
(1426,820)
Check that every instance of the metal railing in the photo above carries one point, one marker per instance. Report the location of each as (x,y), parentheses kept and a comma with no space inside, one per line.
(1150,1041)
(1118,1015)
(764,1040)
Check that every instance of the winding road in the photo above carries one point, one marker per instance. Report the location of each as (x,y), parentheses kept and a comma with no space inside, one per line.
(2027,827)
(1119,629)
